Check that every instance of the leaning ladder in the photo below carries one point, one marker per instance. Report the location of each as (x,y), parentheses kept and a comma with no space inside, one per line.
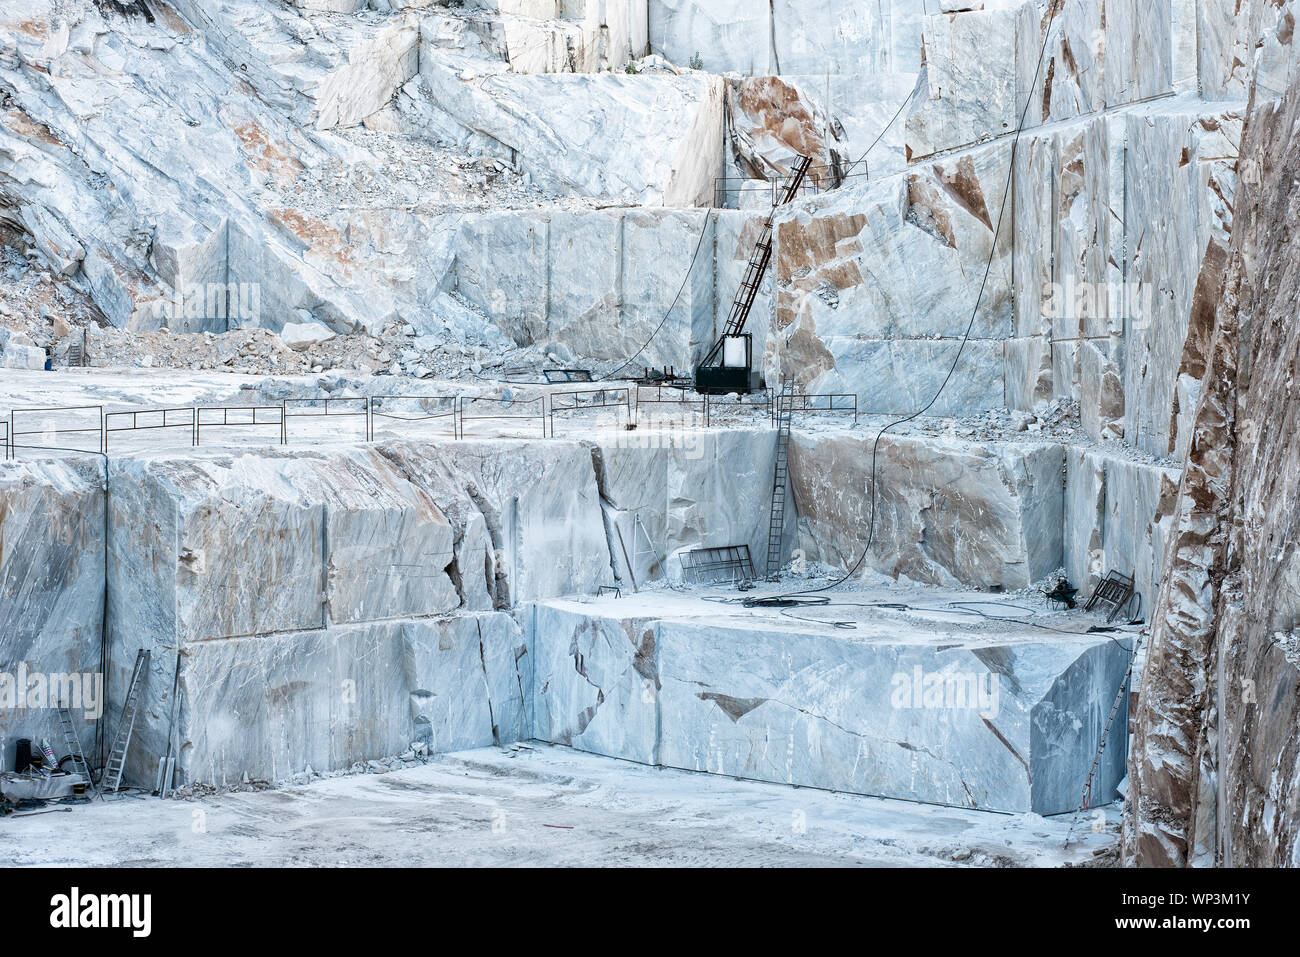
(1086,802)
(117,759)
(780,475)
(73,744)
(759,259)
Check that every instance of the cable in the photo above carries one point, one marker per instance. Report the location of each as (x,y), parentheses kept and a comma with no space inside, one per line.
(903,106)
(673,305)
(979,297)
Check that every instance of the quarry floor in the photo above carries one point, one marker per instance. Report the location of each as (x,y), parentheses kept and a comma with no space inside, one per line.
(543,806)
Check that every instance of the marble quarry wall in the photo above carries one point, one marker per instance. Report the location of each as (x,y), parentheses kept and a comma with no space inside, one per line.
(543,175)
(344,603)
(1214,767)
(51,595)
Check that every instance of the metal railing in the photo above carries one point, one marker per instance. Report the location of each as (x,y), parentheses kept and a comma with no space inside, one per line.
(328,408)
(380,409)
(729,191)
(245,416)
(151,419)
(56,423)
(832,402)
(760,401)
(50,433)
(592,400)
(513,408)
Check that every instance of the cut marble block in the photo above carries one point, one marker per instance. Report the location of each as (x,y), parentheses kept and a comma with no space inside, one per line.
(595,685)
(313,596)
(922,706)
(213,545)
(51,591)
(272,706)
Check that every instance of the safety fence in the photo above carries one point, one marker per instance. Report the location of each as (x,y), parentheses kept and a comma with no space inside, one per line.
(407,411)
(478,408)
(592,400)
(844,403)
(84,424)
(90,429)
(758,194)
(333,409)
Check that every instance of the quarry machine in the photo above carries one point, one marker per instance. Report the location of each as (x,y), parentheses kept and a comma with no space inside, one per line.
(729,365)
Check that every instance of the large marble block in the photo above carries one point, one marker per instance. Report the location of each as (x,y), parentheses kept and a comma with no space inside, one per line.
(640,140)
(210,545)
(51,592)
(921,710)
(595,687)
(271,707)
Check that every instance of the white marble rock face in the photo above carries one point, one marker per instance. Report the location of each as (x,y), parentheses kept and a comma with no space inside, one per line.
(948,512)
(572,132)
(780,37)
(877,284)
(51,583)
(829,710)
(329,606)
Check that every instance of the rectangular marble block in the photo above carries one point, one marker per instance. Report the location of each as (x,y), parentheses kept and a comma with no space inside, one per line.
(925,711)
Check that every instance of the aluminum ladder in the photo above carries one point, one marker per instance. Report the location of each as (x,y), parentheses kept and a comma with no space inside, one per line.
(126,723)
(780,477)
(73,744)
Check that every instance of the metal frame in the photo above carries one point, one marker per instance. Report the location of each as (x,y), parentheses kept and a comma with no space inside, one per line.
(567,376)
(717,565)
(1115,590)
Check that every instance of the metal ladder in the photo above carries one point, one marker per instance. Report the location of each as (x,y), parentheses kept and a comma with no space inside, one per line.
(758,263)
(73,744)
(780,475)
(1086,801)
(117,759)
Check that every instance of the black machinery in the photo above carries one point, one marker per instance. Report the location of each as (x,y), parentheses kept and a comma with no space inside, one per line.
(729,365)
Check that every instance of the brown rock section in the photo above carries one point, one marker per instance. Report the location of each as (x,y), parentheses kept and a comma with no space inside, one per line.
(1215,761)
